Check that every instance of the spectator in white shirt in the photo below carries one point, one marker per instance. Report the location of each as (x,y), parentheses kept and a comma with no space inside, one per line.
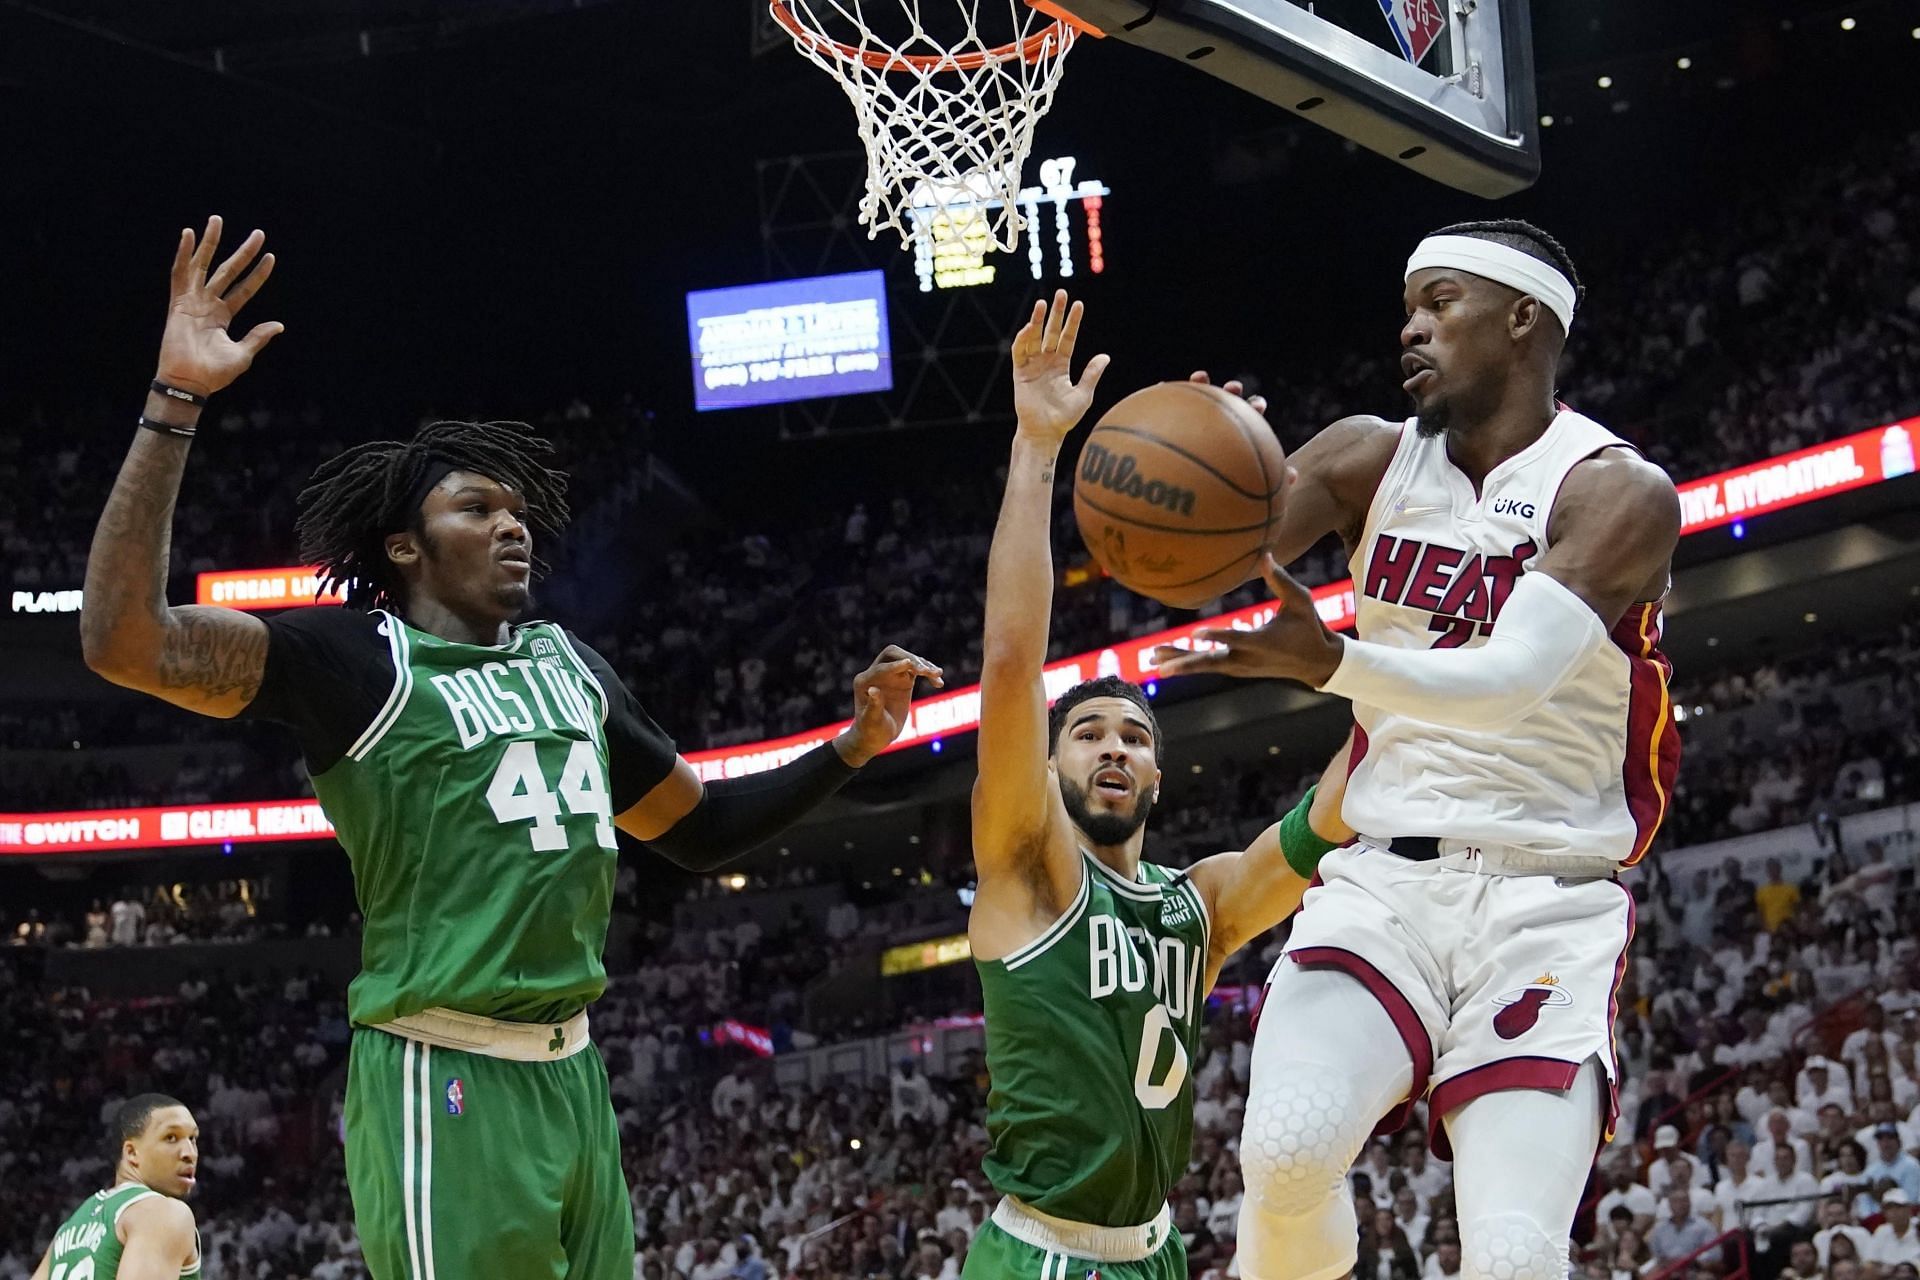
(1900,995)
(1624,1190)
(1820,1084)
(129,917)
(1428,1177)
(1803,1262)
(1443,1263)
(1780,1134)
(1221,1110)
(1410,1215)
(1850,1179)
(1853,1050)
(1794,1192)
(911,1094)
(733,1087)
(1671,1165)
(1739,1183)
(1223,1215)
(1897,1240)
(954,1212)
(1837,1220)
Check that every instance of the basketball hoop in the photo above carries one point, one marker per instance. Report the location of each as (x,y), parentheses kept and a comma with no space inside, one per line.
(947,120)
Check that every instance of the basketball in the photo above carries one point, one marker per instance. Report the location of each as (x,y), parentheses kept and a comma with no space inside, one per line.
(1178,490)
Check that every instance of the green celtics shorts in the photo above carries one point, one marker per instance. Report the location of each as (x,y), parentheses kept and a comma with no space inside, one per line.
(995,1255)
(464,1166)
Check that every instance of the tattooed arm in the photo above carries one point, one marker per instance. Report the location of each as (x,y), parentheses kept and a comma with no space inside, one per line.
(207,660)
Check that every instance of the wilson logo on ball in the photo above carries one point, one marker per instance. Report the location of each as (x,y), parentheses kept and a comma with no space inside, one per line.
(1119,473)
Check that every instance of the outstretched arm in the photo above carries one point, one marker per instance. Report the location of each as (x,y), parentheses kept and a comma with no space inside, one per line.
(701,826)
(1026,866)
(207,660)
(1249,892)
(1612,535)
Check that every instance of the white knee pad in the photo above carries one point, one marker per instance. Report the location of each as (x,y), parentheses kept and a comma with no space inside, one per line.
(1510,1246)
(1299,1139)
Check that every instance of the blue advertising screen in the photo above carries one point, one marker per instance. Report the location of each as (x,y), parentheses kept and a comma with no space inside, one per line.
(789,340)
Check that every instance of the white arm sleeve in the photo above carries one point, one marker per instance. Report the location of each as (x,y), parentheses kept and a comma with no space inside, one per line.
(1545,633)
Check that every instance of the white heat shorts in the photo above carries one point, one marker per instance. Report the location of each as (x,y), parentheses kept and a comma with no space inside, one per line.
(1494,980)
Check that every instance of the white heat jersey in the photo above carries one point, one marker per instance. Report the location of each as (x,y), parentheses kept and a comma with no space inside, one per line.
(1588,774)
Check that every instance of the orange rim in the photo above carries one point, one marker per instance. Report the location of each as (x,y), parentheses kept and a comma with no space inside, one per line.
(1048,40)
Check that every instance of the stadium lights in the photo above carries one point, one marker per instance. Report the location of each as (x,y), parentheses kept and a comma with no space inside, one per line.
(1605,82)
(1685,64)
(1915,33)
(1546,122)
(1848,24)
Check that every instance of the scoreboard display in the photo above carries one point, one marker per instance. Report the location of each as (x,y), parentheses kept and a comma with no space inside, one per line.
(788,340)
(952,248)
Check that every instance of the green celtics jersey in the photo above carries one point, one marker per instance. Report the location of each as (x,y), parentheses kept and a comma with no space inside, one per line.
(87,1245)
(1091,1029)
(474,791)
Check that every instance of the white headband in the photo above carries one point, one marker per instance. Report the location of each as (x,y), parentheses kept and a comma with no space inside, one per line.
(1502,264)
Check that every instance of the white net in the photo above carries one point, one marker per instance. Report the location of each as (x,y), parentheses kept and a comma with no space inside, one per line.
(945,112)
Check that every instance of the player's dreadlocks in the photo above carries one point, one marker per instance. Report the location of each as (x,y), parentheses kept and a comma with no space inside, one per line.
(1528,239)
(356,499)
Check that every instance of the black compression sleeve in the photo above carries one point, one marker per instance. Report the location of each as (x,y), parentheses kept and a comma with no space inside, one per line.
(737,814)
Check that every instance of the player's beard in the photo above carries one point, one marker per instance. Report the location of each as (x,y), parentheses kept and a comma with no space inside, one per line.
(1433,419)
(1104,829)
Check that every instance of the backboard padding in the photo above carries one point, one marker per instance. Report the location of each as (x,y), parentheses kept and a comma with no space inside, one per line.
(1476,131)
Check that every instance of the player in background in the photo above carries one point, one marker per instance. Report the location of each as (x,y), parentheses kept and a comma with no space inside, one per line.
(140,1228)
(475,765)
(1095,965)
(1513,751)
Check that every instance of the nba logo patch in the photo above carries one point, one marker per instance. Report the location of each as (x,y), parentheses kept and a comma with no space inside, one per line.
(456,1097)
(1416,25)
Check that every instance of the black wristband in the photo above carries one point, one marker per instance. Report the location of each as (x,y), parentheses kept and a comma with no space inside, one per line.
(738,814)
(175,393)
(168,428)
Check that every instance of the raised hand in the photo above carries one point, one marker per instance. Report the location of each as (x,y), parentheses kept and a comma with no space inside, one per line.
(1234,387)
(197,353)
(1296,645)
(1046,399)
(881,696)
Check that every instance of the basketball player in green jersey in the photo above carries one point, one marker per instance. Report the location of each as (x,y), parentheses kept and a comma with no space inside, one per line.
(475,767)
(139,1228)
(1094,965)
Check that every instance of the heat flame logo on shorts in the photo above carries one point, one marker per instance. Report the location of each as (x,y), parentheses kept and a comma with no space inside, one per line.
(1522,1006)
